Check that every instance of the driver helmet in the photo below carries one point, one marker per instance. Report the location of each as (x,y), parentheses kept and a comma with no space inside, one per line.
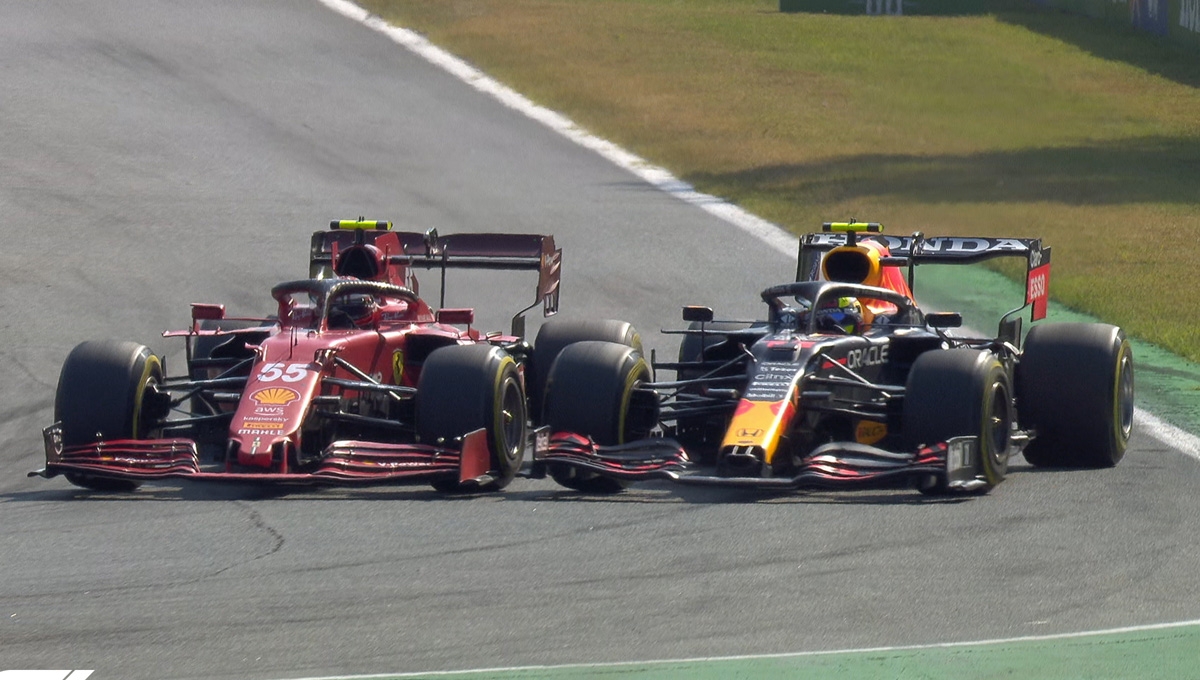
(844,314)
(358,310)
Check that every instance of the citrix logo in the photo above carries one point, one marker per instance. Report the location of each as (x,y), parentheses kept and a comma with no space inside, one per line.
(44,675)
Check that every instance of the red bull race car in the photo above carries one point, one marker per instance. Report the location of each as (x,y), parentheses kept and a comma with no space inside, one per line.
(847,384)
(355,379)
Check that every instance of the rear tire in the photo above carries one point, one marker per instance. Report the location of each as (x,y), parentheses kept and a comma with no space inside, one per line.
(1075,389)
(960,392)
(466,387)
(556,335)
(101,395)
(590,391)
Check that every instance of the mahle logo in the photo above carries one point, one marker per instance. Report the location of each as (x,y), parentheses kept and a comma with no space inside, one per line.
(44,675)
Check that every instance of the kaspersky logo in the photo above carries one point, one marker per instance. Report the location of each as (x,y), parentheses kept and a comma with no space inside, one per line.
(44,675)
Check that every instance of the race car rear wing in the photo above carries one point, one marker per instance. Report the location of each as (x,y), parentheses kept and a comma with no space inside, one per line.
(399,250)
(910,251)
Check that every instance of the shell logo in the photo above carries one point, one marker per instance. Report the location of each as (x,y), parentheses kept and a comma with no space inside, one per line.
(868,432)
(275,396)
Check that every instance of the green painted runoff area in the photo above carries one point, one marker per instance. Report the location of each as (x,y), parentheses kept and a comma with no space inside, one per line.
(1149,654)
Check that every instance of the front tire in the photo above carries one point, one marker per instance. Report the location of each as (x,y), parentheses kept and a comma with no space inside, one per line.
(101,395)
(1075,389)
(466,387)
(960,392)
(591,390)
(557,334)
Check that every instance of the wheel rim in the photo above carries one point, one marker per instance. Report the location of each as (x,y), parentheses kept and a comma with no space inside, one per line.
(999,424)
(632,381)
(149,380)
(1124,401)
(512,419)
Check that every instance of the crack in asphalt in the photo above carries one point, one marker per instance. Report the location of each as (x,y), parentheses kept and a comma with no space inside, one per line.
(257,520)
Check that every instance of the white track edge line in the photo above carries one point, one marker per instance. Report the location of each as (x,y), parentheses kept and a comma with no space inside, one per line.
(1175,438)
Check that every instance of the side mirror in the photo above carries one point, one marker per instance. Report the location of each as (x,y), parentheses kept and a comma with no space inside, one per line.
(694,313)
(944,319)
(204,311)
(456,316)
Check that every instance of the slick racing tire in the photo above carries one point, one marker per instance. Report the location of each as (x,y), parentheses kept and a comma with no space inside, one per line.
(701,436)
(960,392)
(1074,387)
(102,391)
(591,390)
(557,334)
(466,387)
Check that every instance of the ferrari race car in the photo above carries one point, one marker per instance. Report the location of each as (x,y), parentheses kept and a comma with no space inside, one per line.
(848,385)
(355,380)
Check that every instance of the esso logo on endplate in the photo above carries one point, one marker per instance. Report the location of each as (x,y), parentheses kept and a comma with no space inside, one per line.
(1037,286)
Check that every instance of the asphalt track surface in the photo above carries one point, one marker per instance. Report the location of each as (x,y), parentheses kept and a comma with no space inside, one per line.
(155,154)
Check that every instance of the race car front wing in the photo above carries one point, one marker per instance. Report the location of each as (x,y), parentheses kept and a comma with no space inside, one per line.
(838,465)
(345,462)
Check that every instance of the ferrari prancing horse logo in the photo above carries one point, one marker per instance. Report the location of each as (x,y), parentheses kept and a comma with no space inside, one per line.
(397,365)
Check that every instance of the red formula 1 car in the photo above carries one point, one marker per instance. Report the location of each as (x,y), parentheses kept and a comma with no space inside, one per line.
(847,384)
(355,380)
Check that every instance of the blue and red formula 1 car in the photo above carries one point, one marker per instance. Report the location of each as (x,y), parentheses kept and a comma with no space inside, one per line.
(355,380)
(848,384)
